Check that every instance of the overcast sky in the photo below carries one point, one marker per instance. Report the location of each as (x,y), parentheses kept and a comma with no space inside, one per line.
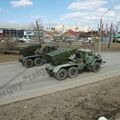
(81,12)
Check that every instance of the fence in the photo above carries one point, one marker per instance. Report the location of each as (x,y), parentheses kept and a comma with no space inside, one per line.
(104,47)
(94,47)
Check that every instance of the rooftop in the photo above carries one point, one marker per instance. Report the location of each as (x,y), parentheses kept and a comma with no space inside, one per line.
(14,26)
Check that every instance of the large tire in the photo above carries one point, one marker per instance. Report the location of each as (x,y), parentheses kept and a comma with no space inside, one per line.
(96,67)
(72,72)
(38,61)
(28,63)
(61,74)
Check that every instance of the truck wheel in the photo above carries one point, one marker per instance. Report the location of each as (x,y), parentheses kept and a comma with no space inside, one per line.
(38,61)
(28,63)
(96,67)
(61,75)
(72,72)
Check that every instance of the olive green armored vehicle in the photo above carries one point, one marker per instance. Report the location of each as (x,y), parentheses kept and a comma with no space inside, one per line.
(34,55)
(68,62)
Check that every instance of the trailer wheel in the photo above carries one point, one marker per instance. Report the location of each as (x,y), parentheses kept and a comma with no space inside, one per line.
(72,72)
(96,67)
(28,63)
(38,61)
(61,74)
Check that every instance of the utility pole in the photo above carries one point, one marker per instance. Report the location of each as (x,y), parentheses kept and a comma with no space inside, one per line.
(101,26)
(38,30)
(106,34)
(111,35)
(100,35)
(117,27)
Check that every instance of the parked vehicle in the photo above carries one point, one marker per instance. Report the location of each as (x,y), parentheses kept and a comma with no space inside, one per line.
(116,38)
(26,40)
(81,40)
(68,62)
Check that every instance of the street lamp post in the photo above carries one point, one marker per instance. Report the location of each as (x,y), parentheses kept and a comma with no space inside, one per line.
(101,26)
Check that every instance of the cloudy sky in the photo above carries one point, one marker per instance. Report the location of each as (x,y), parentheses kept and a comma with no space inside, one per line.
(82,12)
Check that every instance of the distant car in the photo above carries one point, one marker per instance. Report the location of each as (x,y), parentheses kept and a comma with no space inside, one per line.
(2,41)
(81,40)
(68,40)
(118,40)
(89,40)
(26,40)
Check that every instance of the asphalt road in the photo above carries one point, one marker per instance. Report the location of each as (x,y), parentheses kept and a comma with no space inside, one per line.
(19,83)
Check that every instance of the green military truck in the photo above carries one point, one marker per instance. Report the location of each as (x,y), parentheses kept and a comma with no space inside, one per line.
(34,55)
(68,62)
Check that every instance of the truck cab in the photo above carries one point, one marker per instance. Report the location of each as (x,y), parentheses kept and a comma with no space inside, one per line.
(86,54)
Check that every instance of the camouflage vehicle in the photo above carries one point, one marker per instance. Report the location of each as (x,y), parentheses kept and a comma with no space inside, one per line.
(34,55)
(68,62)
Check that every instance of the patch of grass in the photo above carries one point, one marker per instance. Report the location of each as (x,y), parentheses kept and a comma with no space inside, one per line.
(8,58)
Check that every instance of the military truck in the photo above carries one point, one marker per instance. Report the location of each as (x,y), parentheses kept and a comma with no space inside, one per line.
(34,55)
(68,62)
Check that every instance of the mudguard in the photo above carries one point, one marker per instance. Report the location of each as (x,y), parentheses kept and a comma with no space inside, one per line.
(57,68)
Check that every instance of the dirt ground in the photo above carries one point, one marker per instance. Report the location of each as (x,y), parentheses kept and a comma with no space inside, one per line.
(87,102)
(8,58)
